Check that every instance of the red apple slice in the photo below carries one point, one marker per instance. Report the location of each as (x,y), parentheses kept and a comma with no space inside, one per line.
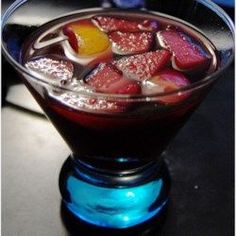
(125,43)
(107,79)
(187,54)
(167,80)
(143,66)
(109,24)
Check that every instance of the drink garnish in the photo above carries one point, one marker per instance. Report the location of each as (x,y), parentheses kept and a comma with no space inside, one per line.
(85,38)
(187,54)
(165,81)
(143,66)
(124,43)
(109,24)
(55,69)
(107,79)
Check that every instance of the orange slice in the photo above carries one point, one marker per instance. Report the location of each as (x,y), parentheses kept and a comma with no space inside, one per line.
(90,40)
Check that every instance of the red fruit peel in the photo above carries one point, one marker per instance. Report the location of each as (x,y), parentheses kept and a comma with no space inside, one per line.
(107,79)
(187,55)
(109,24)
(124,43)
(143,66)
(167,80)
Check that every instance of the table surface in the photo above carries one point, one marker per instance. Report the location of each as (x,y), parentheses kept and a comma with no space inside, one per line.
(200,160)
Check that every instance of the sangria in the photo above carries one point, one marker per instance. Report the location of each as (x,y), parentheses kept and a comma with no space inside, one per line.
(118,85)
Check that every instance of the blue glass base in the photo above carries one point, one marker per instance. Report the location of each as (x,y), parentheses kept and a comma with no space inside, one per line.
(108,201)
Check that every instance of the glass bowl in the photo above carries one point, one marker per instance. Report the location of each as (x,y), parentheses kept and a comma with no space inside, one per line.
(116,176)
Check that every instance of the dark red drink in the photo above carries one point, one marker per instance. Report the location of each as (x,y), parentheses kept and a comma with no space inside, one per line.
(118,82)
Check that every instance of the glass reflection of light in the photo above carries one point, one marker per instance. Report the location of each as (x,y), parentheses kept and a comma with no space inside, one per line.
(114,207)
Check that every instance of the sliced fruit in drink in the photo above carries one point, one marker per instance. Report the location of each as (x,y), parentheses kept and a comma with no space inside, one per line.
(107,79)
(149,25)
(73,41)
(143,66)
(55,69)
(86,43)
(109,24)
(90,40)
(124,43)
(165,81)
(187,54)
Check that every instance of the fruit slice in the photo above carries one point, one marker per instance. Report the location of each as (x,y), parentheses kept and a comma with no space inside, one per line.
(107,79)
(149,25)
(125,43)
(167,80)
(108,24)
(90,40)
(60,70)
(143,66)
(73,41)
(187,55)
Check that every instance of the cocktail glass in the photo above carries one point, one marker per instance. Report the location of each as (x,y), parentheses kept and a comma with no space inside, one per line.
(116,176)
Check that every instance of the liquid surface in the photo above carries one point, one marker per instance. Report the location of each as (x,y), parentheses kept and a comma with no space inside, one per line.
(118,53)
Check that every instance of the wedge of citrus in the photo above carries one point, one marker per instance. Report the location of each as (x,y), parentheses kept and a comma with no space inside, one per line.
(85,38)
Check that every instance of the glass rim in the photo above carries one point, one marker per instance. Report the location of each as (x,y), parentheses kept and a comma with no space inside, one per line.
(193,86)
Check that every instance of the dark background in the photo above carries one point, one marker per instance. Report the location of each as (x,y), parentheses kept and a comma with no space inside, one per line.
(200,159)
